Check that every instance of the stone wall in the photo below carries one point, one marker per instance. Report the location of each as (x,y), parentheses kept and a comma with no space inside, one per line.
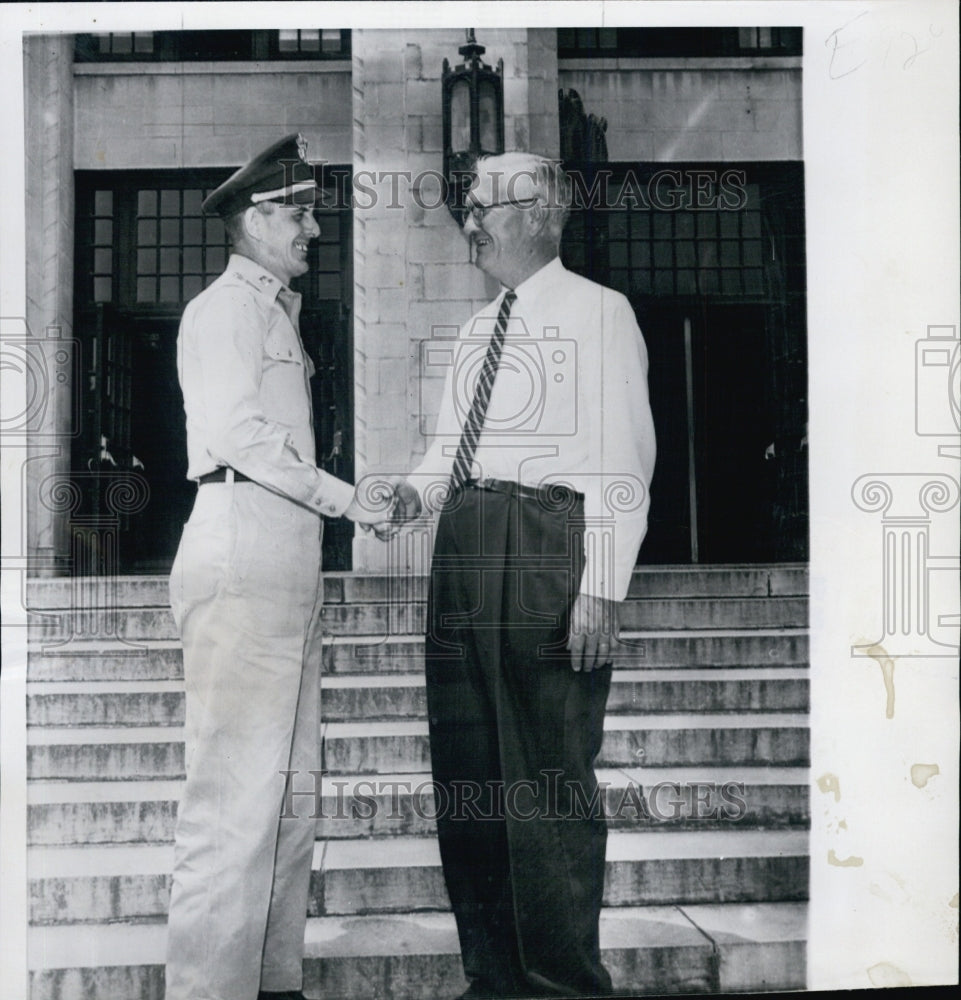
(693,109)
(49,197)
(132,115)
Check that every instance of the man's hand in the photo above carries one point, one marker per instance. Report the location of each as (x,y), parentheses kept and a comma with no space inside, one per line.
(407,504)
(372,508)
(593,631)
(381,511)
(366,513)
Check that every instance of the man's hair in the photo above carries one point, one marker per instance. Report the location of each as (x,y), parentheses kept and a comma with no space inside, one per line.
(549,183)
(234,224)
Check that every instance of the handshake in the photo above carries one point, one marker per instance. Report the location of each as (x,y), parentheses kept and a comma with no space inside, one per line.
(383,504)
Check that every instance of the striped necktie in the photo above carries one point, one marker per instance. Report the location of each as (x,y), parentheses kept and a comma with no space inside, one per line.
(474,423)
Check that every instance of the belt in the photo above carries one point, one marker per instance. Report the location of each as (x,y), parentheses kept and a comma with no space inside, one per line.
(219,475)
(551,491)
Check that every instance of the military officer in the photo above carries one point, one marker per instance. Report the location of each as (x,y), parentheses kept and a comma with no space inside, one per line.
(246,596)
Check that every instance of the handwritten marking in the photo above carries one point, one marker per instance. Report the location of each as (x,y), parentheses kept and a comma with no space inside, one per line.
(921,774)
(834,39)
(830,783)
(852,862)
(871,35)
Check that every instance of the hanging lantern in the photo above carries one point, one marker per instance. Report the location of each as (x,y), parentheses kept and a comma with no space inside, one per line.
(473,108)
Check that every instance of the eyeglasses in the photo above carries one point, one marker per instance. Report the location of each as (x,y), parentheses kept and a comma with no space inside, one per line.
(479,212)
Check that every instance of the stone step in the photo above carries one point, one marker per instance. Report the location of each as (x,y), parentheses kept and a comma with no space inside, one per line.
(655,740)
(151,752)
(725,689)
(403,874)
(778,580)
(97,660)
(643,869)
(408,618)
(65,813)
(660,613)
(95,703)
(648,950)
(128,753)
(384,696)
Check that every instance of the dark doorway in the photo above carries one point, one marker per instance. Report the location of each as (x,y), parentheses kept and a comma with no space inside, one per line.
(716,277)
(144,249)
(712,495)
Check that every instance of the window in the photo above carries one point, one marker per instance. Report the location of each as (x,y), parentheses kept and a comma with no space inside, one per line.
(677,42)
(311,42)
(686,231)
(688,251)
(144,243)
(100,229)
(213,46)
(179,249)
(124,43)
(768,40)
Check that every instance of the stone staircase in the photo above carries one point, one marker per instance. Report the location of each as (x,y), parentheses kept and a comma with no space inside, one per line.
(704,769)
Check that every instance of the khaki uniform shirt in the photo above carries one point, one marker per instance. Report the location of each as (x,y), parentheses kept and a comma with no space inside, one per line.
(245,379)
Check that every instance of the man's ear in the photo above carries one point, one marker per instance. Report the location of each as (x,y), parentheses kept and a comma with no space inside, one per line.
(253,222)
(537,218)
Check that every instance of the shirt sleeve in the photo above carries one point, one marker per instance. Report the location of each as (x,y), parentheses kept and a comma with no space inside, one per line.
(621,429)
(223,343)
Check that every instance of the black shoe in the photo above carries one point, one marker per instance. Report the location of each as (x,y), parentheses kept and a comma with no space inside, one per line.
(282,995)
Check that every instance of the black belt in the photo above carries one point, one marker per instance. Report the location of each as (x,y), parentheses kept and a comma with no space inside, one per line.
(219,475)
(552,492)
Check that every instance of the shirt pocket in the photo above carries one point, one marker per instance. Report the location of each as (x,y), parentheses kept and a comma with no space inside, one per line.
(283,389)
(281,345)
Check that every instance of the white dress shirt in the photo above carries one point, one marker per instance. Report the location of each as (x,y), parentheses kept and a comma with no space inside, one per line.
(569,405)
(245,379)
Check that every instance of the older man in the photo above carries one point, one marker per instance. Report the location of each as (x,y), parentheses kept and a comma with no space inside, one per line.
(246,595)
(545,445)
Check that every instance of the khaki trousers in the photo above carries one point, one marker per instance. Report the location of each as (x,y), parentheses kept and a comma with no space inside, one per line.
(246,596)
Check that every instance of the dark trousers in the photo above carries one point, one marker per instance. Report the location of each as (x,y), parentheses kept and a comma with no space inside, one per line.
(514,732)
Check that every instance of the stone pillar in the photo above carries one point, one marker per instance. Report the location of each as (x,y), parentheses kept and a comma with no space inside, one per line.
(50,207)
(413,280)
